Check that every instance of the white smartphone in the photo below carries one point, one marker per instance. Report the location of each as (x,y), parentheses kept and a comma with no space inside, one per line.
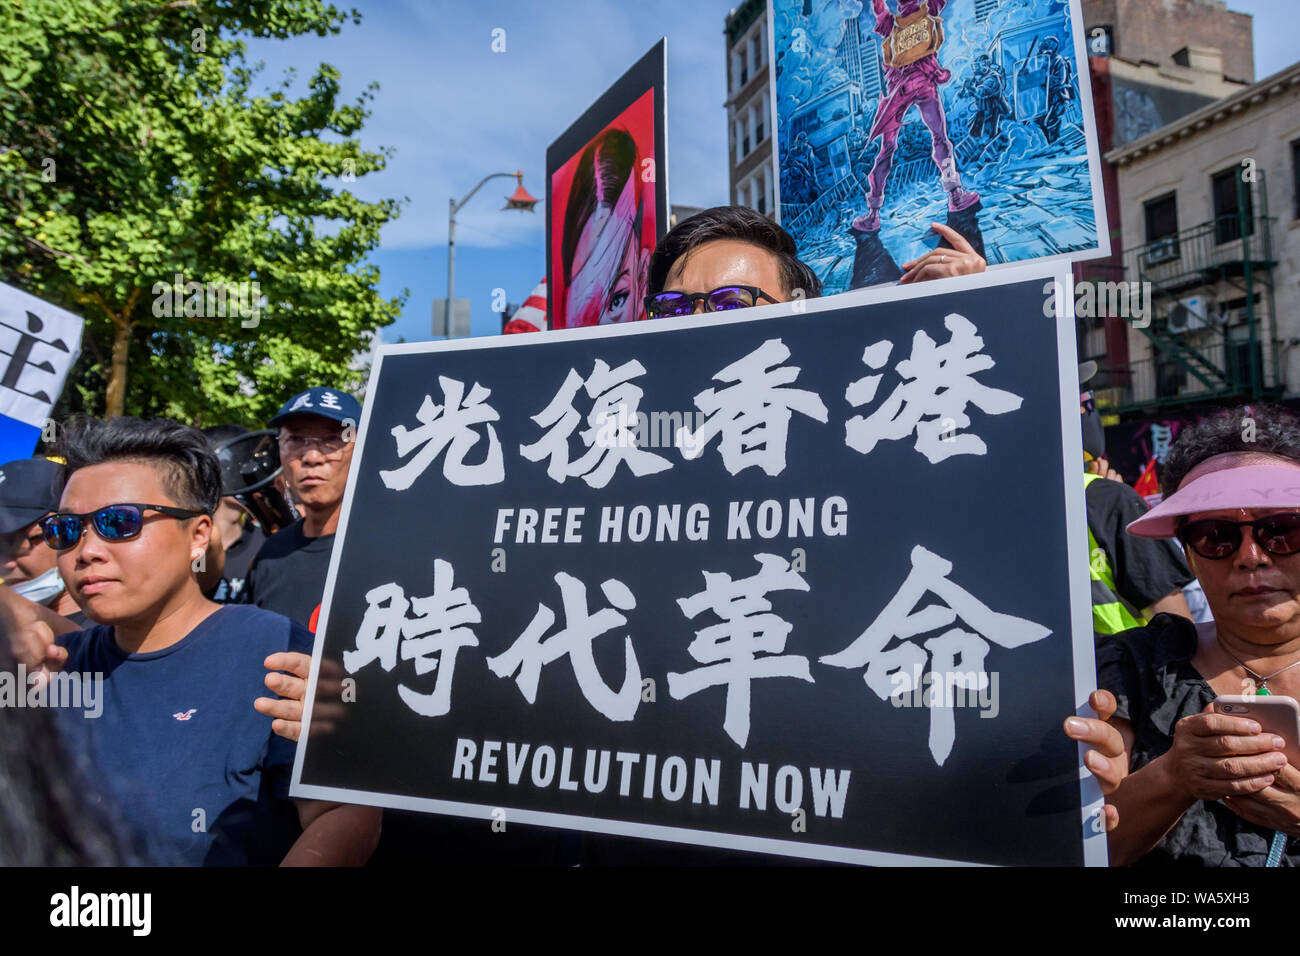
(1276,713)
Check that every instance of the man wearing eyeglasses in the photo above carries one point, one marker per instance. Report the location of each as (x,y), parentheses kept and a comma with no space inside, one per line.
(728,257)
(732,257)
(317,431)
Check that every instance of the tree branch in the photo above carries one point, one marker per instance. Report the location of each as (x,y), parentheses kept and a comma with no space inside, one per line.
(42,247)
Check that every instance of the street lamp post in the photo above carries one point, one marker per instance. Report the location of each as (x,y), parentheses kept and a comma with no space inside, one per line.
(520,200)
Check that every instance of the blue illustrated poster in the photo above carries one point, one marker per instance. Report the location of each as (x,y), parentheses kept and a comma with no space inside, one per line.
(892,114)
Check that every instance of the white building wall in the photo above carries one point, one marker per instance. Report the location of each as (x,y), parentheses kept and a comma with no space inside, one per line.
(1261,129)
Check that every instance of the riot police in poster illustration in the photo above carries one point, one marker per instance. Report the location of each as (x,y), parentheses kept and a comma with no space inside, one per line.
(987,86)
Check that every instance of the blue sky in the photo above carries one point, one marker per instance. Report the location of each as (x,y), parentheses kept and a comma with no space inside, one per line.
(454,111)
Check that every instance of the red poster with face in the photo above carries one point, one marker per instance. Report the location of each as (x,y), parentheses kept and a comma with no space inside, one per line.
(607,202)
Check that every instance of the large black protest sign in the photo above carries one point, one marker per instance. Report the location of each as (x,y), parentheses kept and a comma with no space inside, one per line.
(797,579)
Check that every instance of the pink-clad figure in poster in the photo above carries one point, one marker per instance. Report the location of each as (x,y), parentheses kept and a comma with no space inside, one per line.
(911,39)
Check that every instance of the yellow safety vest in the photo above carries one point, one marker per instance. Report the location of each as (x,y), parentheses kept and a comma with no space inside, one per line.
(1110,612)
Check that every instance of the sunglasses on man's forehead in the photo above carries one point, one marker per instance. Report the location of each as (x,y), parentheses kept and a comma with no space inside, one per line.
(1218,538)
(112,523)
(664,305)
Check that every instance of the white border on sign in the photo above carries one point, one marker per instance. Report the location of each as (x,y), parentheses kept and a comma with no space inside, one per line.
(661,169)
(15,303)
(1083,76)
(1056,273)
(1077,555)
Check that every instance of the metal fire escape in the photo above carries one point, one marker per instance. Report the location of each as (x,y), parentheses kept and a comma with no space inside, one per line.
(1210,354)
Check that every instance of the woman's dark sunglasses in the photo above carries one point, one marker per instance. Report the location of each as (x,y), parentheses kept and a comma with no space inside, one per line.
(112,523)
(1217,538)
(665,305)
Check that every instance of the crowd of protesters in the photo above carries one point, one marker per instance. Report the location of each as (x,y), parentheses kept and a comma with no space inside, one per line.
(130,555)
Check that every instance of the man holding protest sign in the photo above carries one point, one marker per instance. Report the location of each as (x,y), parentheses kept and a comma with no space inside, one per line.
(586,710)
(737,253)
(746,259)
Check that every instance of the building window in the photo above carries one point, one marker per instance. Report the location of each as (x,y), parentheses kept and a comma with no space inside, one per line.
(759,110)
(983,8)
(1162,228)
(753,191)
(1295,176)
(1230,191)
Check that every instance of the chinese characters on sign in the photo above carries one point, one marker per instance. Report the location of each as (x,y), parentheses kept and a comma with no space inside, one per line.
(897,670)
(747,644)
(616,401)
(529,654)
(449,426)
(750,415)
(939,383)
(730,651)
(431,637)
(39,343)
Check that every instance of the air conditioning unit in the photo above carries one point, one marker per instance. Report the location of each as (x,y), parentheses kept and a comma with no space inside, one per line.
(1193,312)
(1163,250)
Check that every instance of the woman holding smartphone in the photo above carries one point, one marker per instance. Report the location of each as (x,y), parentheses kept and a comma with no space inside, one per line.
(1185,784)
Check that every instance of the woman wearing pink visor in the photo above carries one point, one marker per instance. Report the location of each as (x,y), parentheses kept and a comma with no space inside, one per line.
(1184,784)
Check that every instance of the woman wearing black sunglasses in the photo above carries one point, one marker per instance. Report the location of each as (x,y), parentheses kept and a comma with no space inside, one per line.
(1184,784)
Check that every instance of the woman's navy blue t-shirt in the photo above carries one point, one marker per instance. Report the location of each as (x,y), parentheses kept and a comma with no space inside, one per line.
(179,749)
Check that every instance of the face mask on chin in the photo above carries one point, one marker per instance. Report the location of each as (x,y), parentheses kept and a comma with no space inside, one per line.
(41,589)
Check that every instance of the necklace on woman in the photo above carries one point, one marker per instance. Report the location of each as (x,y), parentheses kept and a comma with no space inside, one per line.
(1263,681)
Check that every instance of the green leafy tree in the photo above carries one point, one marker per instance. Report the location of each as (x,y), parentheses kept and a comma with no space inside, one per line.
(136,146)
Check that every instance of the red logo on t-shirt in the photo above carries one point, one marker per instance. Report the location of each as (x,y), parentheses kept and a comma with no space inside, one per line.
(315,616)
(186,714)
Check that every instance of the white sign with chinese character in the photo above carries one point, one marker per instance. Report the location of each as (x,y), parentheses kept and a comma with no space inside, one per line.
(38,344)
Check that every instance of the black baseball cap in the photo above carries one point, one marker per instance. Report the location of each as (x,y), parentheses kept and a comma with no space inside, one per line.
(29,490)
(331,403)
